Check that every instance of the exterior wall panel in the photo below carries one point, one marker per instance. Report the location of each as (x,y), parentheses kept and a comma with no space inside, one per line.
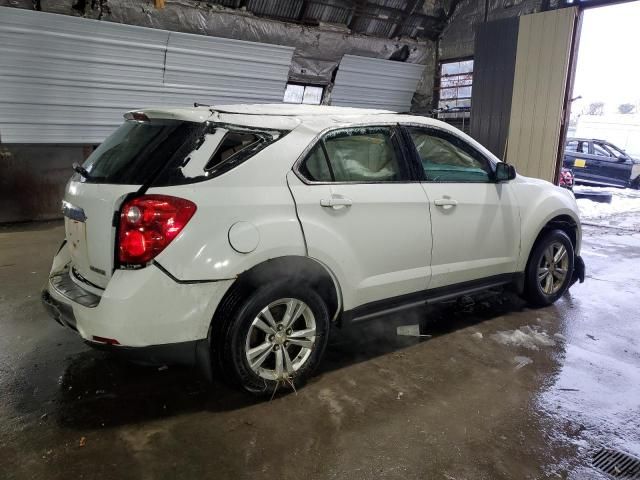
(542,66)
(493,74)
(69,80)
(374,83)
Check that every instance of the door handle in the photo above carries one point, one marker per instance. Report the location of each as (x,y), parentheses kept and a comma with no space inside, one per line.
(445,202)
(336,202)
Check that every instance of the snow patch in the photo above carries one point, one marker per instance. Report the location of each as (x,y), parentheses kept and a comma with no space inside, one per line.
(522,362)
(527,337)
(622,201)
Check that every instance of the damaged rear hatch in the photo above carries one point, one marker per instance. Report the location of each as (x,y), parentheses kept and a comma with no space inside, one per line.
(133,158)
(161,148)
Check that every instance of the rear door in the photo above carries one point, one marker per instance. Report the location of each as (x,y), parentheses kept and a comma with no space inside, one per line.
(130,159)
(362,215)
(577,157)
(475,221)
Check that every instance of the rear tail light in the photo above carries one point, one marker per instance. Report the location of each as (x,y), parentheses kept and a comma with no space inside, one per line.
(148,224)
(105,340)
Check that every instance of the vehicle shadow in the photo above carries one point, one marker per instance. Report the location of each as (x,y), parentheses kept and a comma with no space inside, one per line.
(97,390)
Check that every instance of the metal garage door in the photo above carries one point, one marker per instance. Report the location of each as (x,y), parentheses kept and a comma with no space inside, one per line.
(538,102)
(69,80)
(373,83)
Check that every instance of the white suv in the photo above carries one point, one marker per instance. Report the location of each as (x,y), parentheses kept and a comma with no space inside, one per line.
(235,237)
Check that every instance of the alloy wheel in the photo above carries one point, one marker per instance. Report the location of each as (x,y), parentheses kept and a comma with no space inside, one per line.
(281,339)
(553,268)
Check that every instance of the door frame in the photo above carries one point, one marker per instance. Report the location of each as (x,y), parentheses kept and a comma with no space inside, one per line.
(568,91)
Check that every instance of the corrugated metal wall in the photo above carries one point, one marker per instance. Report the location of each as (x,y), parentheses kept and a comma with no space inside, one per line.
(373,83)
(493,72)
(542,67)
(69,80)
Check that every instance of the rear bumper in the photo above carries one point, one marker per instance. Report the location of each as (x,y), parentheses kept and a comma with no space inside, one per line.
(60,312)
(153,318)
(182,353)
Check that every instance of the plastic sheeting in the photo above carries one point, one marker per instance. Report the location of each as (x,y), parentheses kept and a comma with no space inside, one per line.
(318,50)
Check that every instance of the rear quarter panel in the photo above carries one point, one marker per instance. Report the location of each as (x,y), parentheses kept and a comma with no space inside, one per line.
(256,193)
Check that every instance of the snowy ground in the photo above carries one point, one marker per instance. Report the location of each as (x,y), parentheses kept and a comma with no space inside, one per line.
(623,201)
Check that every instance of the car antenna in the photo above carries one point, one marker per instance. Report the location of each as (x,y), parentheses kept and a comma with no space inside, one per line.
(212,108)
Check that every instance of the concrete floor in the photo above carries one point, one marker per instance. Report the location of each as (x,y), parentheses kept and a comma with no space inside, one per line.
(499,391)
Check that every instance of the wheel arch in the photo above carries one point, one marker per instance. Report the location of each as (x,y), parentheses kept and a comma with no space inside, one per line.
(295,268)
(563,222)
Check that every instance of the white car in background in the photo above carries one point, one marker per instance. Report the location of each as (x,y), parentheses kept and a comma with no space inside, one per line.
(236,237)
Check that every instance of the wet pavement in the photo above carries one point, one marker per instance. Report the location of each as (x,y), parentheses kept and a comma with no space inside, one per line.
(498,391)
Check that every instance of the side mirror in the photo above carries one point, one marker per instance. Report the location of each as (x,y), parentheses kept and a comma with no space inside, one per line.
(505,172)
(622,158)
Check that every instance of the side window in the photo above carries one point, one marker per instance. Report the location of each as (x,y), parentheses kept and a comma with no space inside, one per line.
(363,154)
(601,151)
(316,167)
(572,146)
(233,143)
(447,158)
(615,151)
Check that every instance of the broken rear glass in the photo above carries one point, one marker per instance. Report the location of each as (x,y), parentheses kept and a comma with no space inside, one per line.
(172,152)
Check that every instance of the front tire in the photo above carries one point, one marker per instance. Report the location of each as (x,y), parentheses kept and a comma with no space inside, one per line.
(549,269)
(274,339)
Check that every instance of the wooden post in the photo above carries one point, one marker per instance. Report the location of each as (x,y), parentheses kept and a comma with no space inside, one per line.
(159,4)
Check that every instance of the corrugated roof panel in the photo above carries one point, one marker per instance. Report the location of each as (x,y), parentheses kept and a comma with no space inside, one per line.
(224,63)
(373,83)
(69,80)
(276,8)
(334,11)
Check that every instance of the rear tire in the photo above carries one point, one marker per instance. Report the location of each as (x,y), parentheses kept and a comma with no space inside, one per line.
(273,338)
(549,269)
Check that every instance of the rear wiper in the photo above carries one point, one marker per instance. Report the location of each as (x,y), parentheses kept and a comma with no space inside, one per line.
(81,170)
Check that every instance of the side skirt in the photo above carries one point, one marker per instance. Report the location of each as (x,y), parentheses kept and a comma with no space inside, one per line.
(422,298)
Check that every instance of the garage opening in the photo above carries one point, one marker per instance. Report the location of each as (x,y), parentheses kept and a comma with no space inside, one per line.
(602,148)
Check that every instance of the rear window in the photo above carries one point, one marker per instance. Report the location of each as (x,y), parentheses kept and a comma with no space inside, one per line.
(172,152)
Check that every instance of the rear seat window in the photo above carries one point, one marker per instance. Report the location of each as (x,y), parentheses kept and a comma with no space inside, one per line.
(356,155)
(238,145)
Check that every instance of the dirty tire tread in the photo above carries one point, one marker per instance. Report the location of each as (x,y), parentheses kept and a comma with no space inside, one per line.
(238,314)
(221,323)
(532,291)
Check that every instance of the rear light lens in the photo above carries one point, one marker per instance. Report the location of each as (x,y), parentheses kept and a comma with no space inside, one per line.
(106,341)
(148,224)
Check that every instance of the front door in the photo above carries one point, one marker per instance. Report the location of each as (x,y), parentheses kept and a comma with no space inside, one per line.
(609,168)
(475,221)
(362,217)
